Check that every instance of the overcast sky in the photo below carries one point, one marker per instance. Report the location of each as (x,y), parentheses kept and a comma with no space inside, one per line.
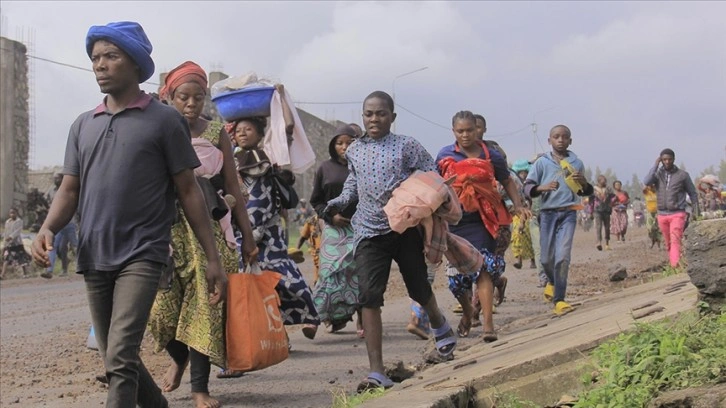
(628,78)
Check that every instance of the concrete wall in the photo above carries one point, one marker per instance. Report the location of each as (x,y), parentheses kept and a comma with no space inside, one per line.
(319,133)
(14,126)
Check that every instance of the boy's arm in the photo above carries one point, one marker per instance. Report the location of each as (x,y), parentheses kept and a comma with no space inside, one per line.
(532,187)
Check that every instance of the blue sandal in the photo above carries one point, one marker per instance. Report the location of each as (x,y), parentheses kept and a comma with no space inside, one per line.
(445,339)
(374,381)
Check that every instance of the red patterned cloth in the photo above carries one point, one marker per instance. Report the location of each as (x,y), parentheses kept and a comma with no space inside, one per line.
(476,188)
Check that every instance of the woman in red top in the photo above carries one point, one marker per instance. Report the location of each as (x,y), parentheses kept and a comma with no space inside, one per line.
(619,218)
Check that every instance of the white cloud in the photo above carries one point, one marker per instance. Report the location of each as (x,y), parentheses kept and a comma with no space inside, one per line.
(643,43)
(370,43)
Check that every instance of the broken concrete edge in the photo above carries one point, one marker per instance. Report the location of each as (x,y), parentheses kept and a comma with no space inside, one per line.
(439,395)
(541,388)
(470,391)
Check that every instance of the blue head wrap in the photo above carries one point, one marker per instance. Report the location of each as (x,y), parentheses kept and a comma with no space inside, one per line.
(521,165)
(130,37)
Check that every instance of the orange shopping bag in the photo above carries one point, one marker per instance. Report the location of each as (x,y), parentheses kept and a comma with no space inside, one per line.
(256,337)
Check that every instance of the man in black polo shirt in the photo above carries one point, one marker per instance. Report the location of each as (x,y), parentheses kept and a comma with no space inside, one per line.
(124,162)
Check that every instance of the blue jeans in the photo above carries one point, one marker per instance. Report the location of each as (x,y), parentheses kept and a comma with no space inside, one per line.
(65,239)
(557,228)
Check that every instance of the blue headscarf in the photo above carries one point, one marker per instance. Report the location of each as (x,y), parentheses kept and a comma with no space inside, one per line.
(130,37)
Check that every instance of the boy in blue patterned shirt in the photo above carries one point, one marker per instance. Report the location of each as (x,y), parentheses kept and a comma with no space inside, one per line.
(378,163)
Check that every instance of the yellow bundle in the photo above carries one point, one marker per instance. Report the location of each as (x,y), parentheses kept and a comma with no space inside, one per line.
(568,171)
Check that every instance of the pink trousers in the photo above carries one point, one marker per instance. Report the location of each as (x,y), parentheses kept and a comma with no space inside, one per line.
(672,226)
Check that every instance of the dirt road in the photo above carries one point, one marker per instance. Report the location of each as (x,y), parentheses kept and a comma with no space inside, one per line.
(44,324)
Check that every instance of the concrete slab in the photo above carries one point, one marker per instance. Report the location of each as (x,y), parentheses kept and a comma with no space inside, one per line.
(543,342)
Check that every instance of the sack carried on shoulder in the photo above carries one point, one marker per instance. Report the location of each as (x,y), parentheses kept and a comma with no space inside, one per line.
(256,336)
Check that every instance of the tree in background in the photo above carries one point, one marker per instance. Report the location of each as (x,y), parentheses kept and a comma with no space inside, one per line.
(634,188)
(588,175)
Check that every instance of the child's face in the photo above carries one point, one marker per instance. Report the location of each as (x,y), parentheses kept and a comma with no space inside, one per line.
(560,139)
(341,145)
(246,136)
(465,133)
(617,186)
(377,117)
(522,174)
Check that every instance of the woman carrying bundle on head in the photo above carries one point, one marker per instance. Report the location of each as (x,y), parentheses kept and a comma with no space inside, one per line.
(266,203)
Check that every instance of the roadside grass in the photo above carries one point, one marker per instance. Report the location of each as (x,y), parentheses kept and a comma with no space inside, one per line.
(343,400)
(682,352)
(636,366)
(669,270)
(508,400)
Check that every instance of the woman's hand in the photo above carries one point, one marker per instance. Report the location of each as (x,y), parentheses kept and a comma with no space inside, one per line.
(340,221)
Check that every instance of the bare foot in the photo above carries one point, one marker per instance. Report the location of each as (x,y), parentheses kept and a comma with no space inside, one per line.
(204,400)
(173,376)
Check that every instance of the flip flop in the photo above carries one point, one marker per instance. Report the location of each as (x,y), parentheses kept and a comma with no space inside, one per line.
(361,333)
(230,374)
(445,339)
(463,329)
(489,337)
(374,381)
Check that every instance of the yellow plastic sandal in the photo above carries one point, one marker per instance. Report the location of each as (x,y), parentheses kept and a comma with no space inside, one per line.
(549,292)
(562,308)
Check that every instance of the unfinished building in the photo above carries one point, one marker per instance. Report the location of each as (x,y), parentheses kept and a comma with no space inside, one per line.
(14,126)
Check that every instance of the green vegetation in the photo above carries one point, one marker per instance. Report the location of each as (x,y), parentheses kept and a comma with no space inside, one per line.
(343,400)
(507,400)
(687,351)
(654,357)
(669,270)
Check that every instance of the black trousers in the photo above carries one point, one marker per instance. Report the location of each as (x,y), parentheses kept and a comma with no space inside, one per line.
(198,363)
